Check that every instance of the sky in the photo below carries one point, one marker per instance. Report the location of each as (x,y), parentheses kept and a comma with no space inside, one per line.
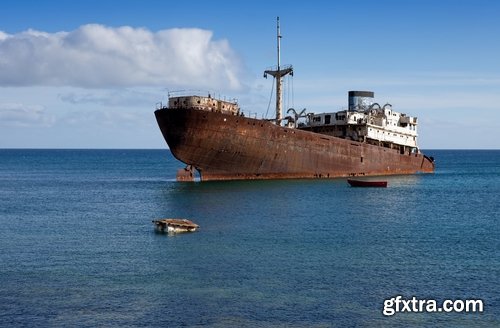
(89,74)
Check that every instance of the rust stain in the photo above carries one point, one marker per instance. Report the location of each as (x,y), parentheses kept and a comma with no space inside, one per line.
(231,147)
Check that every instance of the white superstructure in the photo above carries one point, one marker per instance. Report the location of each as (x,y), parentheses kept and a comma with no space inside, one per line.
(366,121)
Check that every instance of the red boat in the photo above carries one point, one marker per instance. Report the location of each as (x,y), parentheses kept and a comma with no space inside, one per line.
(363,183)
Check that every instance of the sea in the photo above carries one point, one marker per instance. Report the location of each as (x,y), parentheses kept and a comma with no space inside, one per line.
(78,247)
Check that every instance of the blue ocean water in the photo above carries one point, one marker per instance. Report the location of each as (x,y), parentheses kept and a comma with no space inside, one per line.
(78,247)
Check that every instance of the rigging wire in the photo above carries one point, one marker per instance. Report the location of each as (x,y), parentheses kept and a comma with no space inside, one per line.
(290,101)
(287,92)
(270,99)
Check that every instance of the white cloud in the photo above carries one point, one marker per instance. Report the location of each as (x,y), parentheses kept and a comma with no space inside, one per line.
(94,119)
(97,56)
(21,115)
(112,98)
(408,93)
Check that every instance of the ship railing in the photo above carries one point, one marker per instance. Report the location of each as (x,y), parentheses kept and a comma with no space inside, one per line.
(200,93)
(160,105)
(275,68)
(188,92)
(249,114)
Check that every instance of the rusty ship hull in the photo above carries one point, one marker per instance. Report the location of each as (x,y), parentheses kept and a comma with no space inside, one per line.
(231,147)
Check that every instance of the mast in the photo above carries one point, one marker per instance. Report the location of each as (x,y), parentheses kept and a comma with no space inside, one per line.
(278,74)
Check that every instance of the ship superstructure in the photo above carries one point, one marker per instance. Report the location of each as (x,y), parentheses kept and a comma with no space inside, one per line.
(366,121)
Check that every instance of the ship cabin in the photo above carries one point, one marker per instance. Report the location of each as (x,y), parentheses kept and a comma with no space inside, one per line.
(206,103)
(366,121)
